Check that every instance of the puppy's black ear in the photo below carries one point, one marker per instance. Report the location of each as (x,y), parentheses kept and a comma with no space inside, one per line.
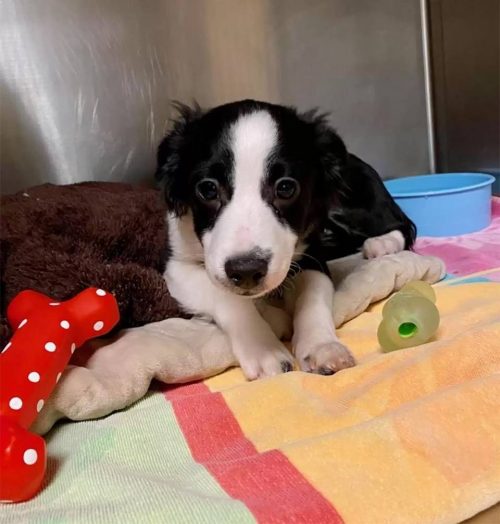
(331,150)
(171,171)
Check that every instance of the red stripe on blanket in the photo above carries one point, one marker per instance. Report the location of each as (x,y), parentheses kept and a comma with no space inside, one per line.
(267,483)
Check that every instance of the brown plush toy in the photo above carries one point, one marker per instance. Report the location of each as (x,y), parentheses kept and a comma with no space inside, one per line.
(60,240)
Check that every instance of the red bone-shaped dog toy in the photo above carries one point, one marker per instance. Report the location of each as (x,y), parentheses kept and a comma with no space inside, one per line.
(46,334)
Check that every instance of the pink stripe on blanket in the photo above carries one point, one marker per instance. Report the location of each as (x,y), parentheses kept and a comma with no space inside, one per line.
(267,483)
(467,254)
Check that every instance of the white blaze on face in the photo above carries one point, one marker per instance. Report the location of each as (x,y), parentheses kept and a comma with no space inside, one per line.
(247,222)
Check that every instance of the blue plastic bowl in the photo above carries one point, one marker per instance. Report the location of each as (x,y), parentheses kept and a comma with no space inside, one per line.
(445,205)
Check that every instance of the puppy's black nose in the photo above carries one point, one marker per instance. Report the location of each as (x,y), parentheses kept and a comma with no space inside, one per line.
(246,271)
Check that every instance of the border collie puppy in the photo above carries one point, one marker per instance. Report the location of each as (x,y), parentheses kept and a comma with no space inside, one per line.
(259,197)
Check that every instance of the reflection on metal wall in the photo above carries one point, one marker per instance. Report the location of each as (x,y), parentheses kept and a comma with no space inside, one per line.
(86,84)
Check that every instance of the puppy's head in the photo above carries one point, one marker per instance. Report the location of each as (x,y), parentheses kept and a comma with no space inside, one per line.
(255,179)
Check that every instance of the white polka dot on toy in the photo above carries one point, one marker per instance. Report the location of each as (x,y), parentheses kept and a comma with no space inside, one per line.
(7,346)
(34,377)
(39,405)
(30,457)
(22,323)
(15,403)
(54,303)
(50,347)
(58,377)
(98,325)
(64,324)
(100,292)
(73,347)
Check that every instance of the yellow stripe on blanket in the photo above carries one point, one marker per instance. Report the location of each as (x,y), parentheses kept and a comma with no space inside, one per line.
(410,436)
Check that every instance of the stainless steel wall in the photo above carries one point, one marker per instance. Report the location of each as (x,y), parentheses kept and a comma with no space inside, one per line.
(86,84)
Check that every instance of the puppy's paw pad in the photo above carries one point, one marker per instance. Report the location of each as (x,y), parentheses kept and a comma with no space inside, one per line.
(388,244)
(327,358)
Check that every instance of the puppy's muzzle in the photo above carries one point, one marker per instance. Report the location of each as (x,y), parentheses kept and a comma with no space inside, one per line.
(247,271)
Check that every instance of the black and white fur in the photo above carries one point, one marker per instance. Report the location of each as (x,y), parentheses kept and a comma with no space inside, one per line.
(259,198)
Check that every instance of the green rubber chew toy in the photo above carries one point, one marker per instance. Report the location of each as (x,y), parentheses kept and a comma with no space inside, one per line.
(409,318)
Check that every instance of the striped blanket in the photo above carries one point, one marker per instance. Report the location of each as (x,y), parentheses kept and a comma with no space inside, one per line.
(407,437)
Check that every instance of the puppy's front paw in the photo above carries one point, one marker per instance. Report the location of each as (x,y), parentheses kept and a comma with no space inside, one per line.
(327,358)
(387,244)
(265,362)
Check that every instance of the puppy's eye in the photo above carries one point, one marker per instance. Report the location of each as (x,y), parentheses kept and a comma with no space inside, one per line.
(286,188)
(208,189)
